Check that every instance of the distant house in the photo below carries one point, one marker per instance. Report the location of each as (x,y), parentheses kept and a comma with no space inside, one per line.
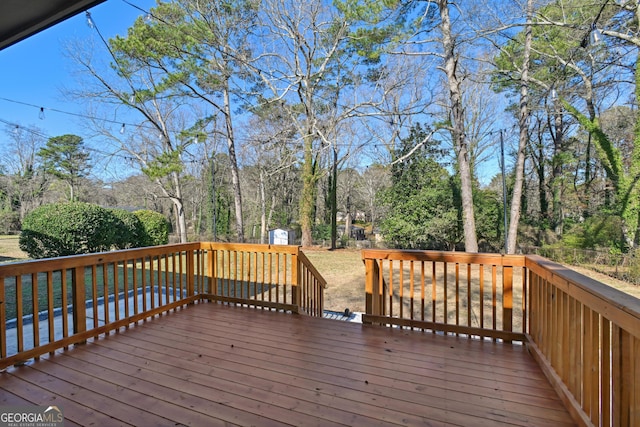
(356,233)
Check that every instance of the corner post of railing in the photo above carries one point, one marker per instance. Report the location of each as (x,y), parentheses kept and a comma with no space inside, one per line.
(212,285)
(79,296)
(372,287)
(190,274)
(507,298)
(296,279)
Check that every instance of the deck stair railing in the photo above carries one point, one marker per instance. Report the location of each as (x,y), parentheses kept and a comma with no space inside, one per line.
(54,303)
(268,276)
(585,335)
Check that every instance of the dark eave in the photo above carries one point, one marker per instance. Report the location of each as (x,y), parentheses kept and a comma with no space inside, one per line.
(20,19)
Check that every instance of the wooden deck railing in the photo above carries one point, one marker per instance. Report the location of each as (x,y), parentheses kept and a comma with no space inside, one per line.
(473,294)
(269,276)
(585,335)
(49,304)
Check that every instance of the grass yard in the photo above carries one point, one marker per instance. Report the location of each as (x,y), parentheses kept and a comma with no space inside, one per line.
(344,272)
(10,250)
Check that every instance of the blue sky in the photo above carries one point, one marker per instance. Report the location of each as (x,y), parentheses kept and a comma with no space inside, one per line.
(35,70)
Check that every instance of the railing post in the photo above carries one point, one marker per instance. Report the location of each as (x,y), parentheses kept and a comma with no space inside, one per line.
(212,284)
(507,299)
(296,279)
(372,287)
(190,274)
(79,295)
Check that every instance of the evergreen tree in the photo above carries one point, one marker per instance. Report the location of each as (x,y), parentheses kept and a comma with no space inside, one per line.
(422,208)
(65,158)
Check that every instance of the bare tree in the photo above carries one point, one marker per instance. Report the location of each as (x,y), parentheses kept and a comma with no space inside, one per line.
(156,143)
(26,181)
(316,81)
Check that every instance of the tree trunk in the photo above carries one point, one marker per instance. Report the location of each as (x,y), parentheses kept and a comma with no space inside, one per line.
(307,199)
(523,122)
(235,174)
(459,139)
(72,195)
(181,221)
(263,211)
(334,198)
(557,182)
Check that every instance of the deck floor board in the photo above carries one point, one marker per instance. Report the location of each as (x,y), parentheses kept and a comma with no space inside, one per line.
(213,364)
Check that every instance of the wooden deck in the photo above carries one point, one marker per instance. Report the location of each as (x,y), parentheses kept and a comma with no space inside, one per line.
(211,364)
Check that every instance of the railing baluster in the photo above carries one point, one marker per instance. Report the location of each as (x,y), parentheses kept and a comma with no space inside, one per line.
(434,293)
(65,312)
(469,295)
(50,307)
(235,274)
(422,292)
(401,289)
(134,277)
(144,283)
(35,310)
(105,292)
(411,290)
(481,280)
(167,287)
(94,295)
(159,279)
(390,288)
(278,283)
(3,319)
(284,275)
(494,296)
(125,286)
(605,371)
(457,313)
(174,277)
(242,279)
(19,313)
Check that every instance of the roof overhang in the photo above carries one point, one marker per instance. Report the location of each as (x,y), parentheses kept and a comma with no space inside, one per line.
(20,19)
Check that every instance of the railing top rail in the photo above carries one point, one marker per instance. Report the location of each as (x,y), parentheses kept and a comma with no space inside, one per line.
(441,256)
(250,247)
(617,306)
(72,261)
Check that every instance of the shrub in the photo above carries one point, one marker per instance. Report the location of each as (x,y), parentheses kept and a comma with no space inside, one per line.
(71,228)
(321,232)
(156,228)
(130,232)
